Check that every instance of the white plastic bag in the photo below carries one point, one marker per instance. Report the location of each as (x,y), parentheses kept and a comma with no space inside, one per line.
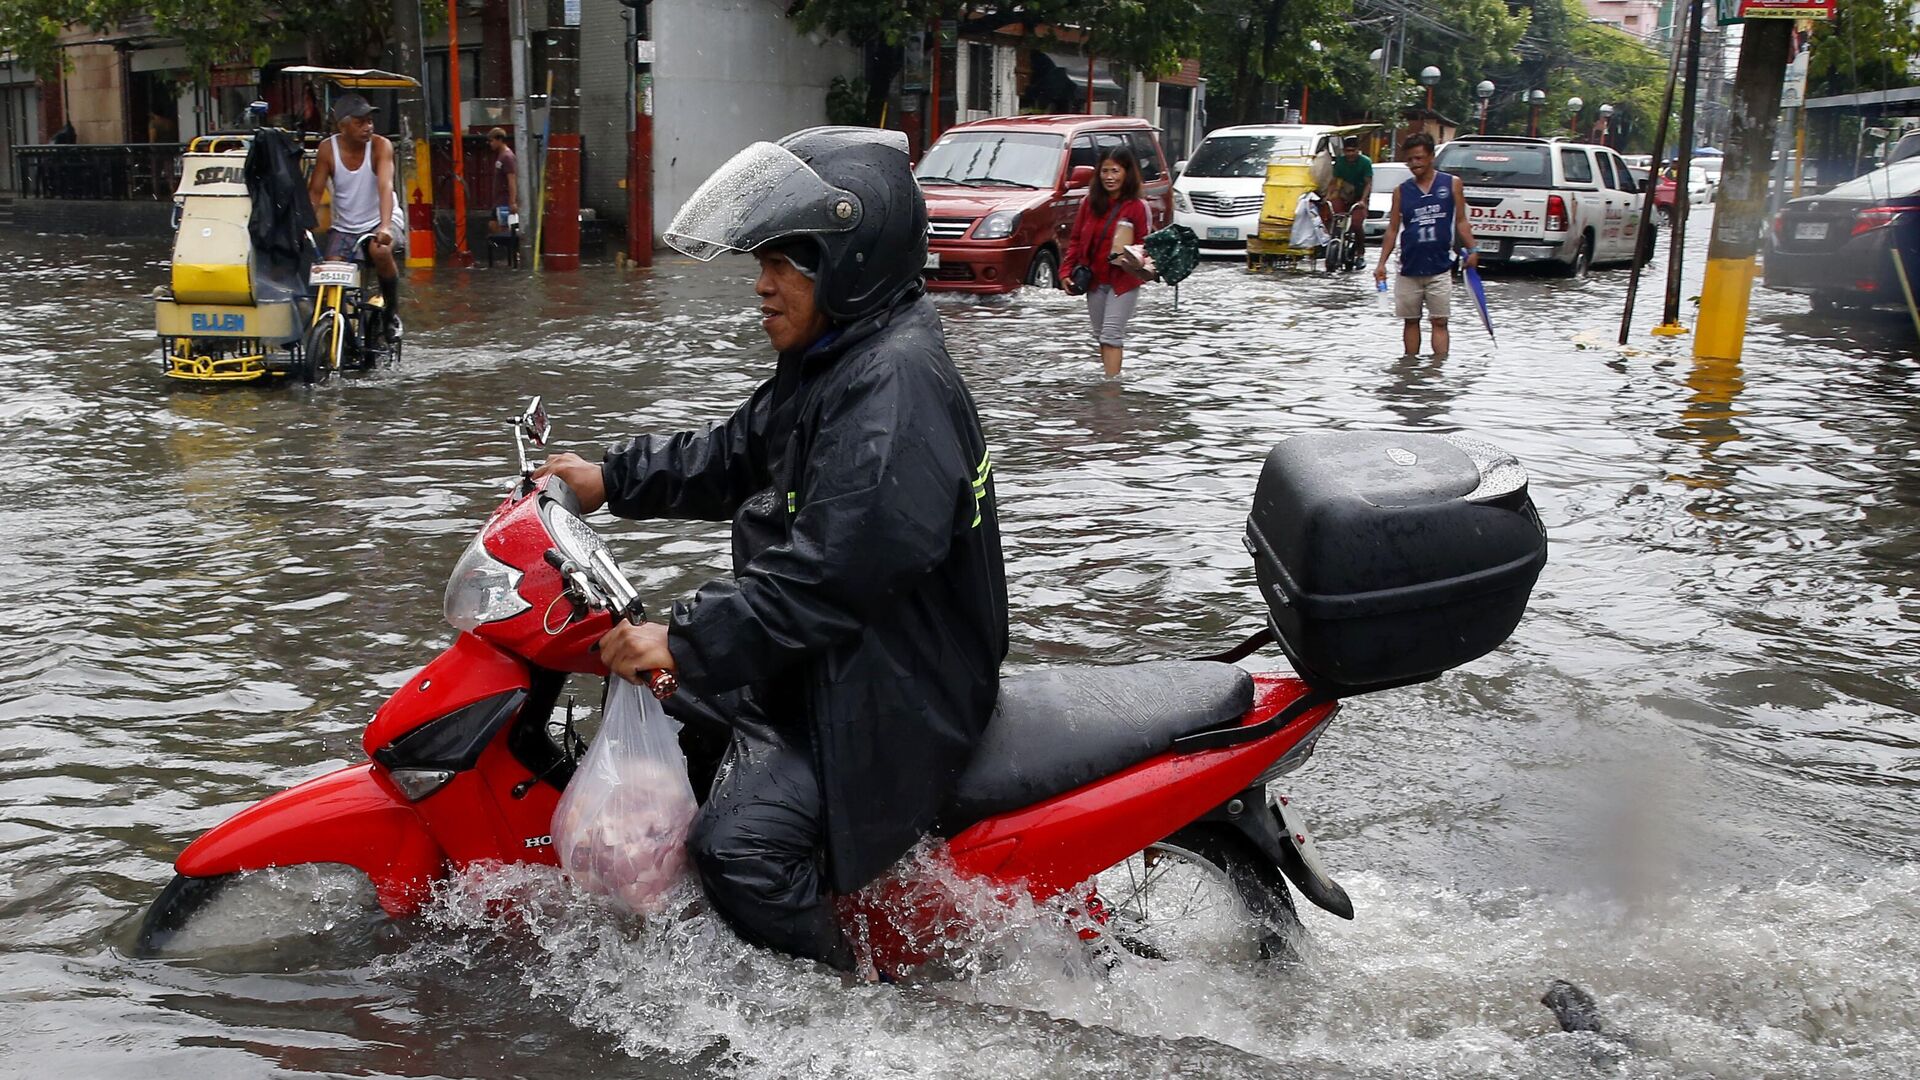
(621,826)
(1308,230)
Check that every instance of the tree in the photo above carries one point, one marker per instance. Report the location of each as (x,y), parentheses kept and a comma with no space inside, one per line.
(1149,35)
(214,32)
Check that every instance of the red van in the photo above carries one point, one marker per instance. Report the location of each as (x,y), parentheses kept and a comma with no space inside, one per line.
(1001,194)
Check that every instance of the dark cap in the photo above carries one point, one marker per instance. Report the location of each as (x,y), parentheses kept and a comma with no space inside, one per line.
(351,105)
(1351,142)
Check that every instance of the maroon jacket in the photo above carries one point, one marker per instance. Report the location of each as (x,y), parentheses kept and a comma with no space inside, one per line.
(1086,249)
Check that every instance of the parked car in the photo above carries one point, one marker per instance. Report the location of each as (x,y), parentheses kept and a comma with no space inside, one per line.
(1838,247)
(1703,180)
(1565,204)
(1387,175)
(1001,195)
(1218,191)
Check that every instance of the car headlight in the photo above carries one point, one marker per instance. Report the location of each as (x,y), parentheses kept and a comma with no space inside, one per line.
(1181,202)
(997,226)
(482,589)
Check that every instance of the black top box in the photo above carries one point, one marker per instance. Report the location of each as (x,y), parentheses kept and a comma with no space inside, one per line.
(1386,559)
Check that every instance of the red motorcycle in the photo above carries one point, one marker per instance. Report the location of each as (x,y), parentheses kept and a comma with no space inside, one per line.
(1386,559)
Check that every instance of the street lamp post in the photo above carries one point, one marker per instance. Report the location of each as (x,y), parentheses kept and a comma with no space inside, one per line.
(1606,125)
(1315,46)
(1536,100)
(1484,92)
(1429,78)
(1574,105)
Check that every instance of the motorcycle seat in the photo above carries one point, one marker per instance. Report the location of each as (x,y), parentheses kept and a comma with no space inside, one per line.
(1059,728)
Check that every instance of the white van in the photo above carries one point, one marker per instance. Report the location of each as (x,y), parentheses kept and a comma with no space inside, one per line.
(1218,191)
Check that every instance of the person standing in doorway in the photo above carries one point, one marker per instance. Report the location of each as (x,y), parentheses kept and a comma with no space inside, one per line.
(356,166)
(506,177)
(1433,211)
(1110,217)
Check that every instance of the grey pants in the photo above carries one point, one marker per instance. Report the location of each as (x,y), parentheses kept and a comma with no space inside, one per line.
(1109,314)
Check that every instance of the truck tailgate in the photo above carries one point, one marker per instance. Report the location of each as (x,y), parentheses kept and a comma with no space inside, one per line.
(1507,213)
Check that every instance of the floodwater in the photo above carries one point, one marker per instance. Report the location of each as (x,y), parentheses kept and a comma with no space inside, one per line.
(1686,784)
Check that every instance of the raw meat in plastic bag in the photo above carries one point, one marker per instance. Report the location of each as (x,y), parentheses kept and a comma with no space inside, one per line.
(621,827)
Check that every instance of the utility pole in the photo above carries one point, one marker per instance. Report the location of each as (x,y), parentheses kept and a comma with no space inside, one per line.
(1742,202)
(414,186)
(640,139)
(1653,182)
(1677,241)
(461,256)
(522,116)
(560,218)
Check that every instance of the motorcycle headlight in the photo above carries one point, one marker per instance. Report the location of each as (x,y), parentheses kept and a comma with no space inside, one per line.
(997,226)
(1181,202)
(575,538)
(482,589)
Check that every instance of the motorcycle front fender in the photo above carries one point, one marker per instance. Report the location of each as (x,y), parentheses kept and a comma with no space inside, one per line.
(353,816)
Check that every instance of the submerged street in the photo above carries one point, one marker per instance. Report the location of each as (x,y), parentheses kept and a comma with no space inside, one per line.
(1685,784)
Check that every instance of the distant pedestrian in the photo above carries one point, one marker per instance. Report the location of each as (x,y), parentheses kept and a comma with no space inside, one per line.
(66,135)
(1433,209)
(506,177)
(1111,217)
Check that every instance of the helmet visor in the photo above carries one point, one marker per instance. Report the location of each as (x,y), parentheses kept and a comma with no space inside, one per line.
(763,194)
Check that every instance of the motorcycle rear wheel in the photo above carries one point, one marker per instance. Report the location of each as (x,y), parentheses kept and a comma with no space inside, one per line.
(1202,894)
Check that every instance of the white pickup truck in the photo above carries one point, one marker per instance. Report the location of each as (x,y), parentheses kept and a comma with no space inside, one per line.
(1568,204)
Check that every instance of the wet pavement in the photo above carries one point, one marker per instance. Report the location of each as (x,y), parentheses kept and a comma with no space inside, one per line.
(1686,784)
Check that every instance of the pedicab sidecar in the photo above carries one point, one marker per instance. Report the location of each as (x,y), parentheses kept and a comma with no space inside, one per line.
(229,313)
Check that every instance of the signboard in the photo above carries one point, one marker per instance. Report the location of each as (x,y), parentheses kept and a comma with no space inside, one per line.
(1793,88)
(570,13)
(1735,10)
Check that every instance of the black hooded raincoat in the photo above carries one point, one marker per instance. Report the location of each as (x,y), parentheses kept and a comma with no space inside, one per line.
(868,593)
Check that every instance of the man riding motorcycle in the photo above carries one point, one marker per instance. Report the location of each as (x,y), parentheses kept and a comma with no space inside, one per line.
(854,652)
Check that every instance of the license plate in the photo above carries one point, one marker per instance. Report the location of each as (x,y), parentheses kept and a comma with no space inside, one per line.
(1810,230)
(933,260)
(1222,232)
(334,273)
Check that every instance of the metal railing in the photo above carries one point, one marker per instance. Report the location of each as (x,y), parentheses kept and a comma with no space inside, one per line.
(113,171)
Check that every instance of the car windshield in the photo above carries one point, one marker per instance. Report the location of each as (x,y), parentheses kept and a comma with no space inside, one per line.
(1900,180)
(1497,164)
(1389,175)
(993,159)
(1243,156)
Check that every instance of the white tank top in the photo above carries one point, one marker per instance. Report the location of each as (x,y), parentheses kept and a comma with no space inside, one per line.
(356,193)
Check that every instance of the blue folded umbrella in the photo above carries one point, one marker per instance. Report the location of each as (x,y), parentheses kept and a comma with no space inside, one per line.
(1479,291)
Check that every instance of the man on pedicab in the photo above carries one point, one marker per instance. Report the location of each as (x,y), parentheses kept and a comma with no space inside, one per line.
(356,166)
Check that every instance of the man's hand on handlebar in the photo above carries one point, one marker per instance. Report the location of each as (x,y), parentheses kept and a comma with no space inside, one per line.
(583,476)
(633,650)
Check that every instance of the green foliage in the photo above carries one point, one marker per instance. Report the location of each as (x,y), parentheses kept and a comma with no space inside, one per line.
(215,32)
(1868,46)
(847,101)
(1151,35)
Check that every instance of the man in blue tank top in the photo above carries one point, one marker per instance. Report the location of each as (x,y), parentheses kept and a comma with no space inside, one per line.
(1434,213)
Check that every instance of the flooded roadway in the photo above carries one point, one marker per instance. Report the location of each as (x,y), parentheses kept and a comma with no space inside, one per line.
(1686,784)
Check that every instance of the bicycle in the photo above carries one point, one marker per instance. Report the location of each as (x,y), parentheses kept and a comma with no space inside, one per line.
(348,329)
(1346,247)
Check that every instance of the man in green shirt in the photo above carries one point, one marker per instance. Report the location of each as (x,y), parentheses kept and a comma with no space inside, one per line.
(1352,187)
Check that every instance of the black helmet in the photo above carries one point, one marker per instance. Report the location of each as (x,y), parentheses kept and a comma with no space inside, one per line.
(847,191)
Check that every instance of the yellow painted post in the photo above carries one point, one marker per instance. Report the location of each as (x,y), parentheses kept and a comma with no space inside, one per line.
(1740,208)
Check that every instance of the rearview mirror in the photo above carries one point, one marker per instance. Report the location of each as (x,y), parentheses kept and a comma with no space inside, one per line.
(534,424)
(1180,167)
(1079,176)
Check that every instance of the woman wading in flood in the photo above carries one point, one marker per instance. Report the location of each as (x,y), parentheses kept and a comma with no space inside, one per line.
(1111,216)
